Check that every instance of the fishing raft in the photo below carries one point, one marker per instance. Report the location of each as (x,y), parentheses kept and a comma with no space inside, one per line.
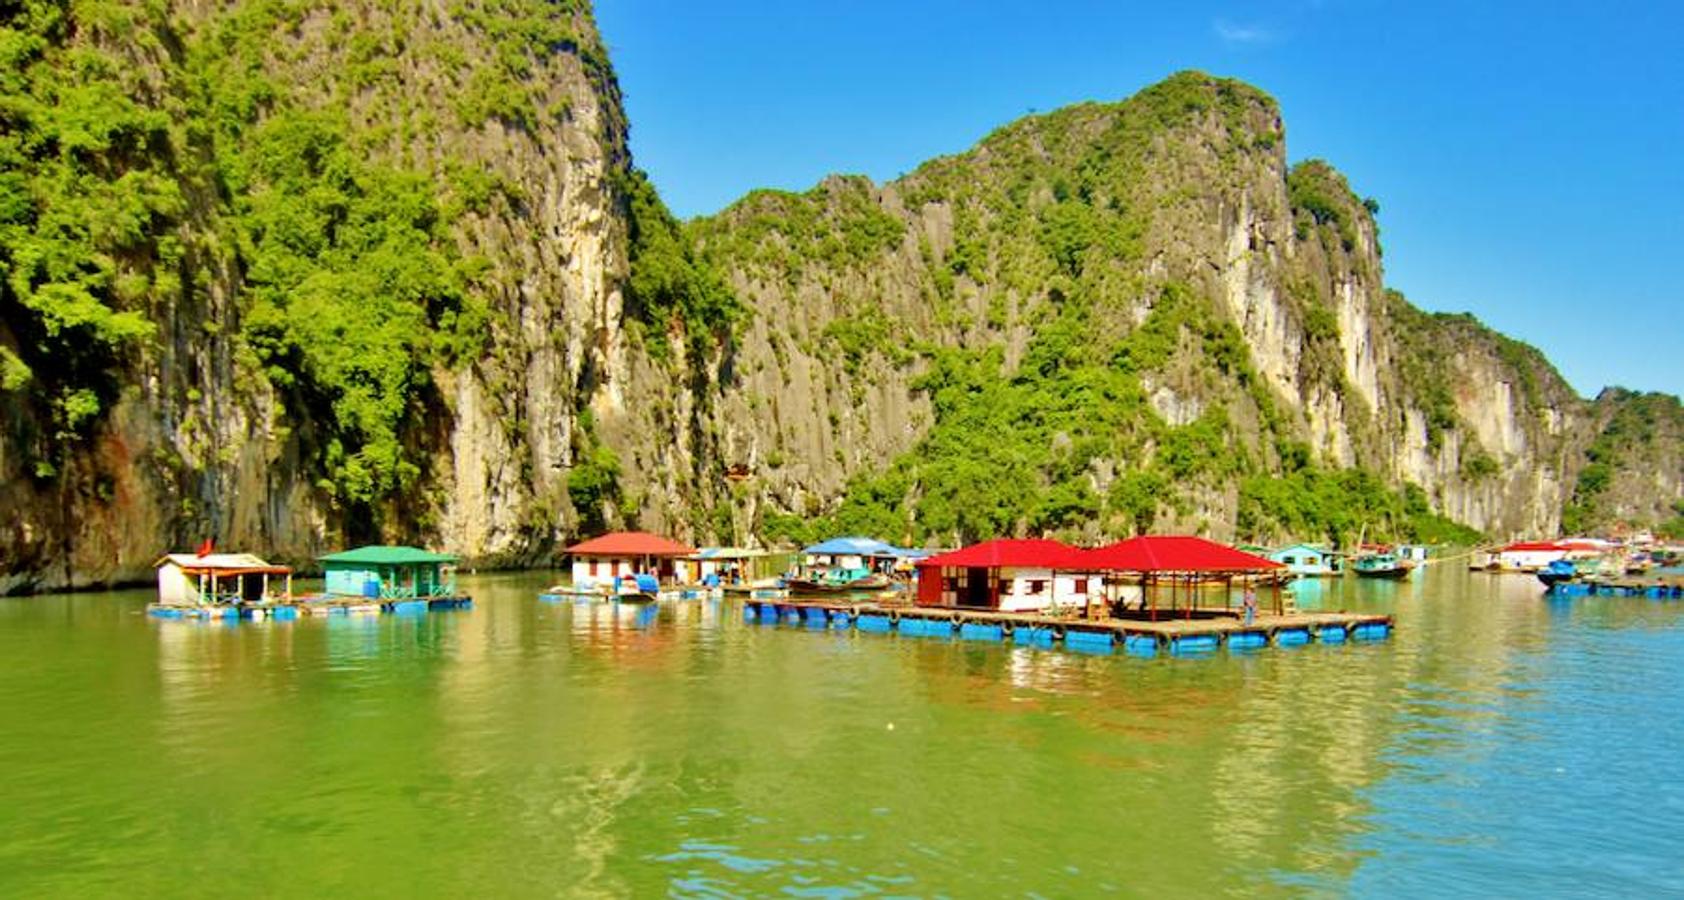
(1139,636)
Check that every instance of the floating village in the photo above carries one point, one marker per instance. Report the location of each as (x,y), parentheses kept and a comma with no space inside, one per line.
(1143,595)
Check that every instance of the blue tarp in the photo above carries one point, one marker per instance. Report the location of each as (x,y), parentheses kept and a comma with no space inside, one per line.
(860,546)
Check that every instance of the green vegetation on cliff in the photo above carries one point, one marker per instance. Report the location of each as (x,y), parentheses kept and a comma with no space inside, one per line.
(1639,431)
(154,167)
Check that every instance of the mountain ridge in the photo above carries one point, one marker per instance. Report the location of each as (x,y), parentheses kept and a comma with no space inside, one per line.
(385,271)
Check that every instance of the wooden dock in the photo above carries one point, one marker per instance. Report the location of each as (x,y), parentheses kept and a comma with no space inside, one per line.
(1135,635)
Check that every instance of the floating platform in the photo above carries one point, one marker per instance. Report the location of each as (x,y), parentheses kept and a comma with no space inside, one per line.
(311,607)
(666,594)
(1655,587)
(1138,636)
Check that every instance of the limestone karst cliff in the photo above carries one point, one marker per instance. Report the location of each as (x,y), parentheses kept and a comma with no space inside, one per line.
(296,274)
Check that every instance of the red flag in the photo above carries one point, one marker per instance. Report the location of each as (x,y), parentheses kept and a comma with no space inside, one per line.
(206,547)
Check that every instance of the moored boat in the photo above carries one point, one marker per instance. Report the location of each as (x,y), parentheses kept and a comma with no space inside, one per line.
(1382,565)
(838,582)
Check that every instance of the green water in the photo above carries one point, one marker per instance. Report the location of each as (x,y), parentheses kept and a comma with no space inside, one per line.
(1498,743)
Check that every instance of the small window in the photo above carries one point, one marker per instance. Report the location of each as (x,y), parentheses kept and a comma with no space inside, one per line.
(1037,586)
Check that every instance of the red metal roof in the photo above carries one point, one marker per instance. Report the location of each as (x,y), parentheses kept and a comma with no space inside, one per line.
(1535,547)
(1038,553)
(630,543)
(1174,553)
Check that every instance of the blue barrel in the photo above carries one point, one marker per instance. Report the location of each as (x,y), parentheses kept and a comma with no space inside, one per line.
(1141,645)
(1194,643)
(284,613)
(815,618)
(1247,640)
(409,607)
(980,631)
(1088,641)
(913,627)
(872,622)
(164,612)
(1331,634)
(1292,637)
(1371,631)
(1033,635)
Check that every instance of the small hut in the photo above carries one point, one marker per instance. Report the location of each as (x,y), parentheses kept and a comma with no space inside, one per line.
(725,565)
(389,573)
(623,554)
(1006,575)
(1182,566)
(188,579)
(1306,561)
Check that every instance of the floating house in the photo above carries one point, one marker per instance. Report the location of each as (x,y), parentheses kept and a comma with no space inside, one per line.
(862,553)
(1007,575)
(1529,556)
(600,561)
(390,573)
(1306,561)
(1183,567)
(723,565)
(188,579)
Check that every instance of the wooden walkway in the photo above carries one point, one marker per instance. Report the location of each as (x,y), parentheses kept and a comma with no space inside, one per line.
(1135,635)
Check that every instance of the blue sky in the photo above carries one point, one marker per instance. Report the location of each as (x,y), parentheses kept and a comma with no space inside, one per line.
(1528,159)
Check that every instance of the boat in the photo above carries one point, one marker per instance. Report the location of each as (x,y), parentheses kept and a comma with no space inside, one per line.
(836,582)
(640,588)
(1382,565)
(1557,572)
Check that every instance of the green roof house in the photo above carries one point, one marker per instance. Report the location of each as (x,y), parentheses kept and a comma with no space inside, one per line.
(390,573)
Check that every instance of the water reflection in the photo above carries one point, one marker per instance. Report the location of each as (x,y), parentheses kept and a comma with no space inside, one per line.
(611,750)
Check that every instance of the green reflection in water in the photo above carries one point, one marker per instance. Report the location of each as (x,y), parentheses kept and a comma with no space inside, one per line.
(529,748)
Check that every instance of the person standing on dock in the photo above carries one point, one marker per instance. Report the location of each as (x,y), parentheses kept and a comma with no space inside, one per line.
(1249,603)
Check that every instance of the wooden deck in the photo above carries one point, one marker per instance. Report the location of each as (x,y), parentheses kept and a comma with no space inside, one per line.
(1134,634)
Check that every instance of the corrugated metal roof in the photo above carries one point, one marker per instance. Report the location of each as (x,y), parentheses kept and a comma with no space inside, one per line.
(1037,553)
(853,546)
(220,562)
(630,543)
(727,553)
(1174,553)
(383,555)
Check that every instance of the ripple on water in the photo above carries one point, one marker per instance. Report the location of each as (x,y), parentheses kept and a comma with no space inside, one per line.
(1499,743)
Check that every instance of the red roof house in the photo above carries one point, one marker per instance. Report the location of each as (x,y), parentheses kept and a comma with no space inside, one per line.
(1007,574)
(1175,553)
(1183,563)
(623,554)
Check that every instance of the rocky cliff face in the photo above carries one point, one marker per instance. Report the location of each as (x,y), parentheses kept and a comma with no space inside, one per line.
(398,281)
(507,110)
(1186,184)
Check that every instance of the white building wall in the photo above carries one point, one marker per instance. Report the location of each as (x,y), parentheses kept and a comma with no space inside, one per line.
(1529,559)
(595,570)
(1062,590)
(175,587)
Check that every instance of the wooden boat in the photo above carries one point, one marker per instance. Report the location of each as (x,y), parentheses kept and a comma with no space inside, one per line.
(1382,565)
(822,585)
